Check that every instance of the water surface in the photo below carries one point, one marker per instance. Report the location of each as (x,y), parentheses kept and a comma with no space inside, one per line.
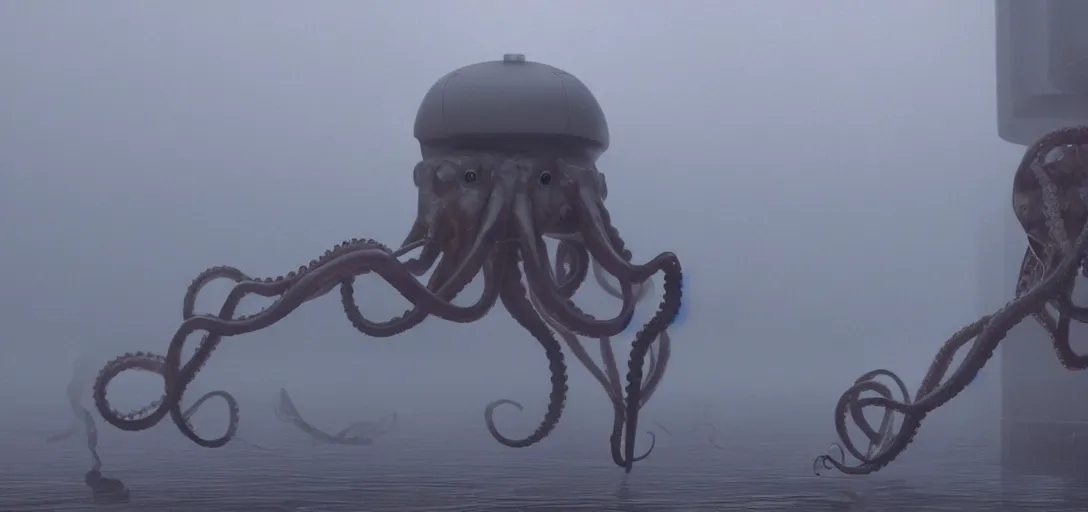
(452,465)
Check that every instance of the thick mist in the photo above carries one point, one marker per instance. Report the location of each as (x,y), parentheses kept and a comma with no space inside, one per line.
(828,176)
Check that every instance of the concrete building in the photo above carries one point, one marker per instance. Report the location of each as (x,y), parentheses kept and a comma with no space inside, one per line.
(1042,84)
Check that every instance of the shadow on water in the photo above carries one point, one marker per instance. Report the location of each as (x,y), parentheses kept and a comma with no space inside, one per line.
(765,467)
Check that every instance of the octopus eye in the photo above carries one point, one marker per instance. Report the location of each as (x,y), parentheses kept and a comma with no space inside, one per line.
(470,176)
(545,178)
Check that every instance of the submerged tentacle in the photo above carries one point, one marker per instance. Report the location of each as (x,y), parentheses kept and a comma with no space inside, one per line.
(514,298)
(287,412)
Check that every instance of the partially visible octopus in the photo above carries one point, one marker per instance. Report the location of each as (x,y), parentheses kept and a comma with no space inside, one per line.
(1050,200)
(478,212)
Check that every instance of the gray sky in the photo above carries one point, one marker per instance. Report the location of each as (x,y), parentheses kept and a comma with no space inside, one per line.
(828,173)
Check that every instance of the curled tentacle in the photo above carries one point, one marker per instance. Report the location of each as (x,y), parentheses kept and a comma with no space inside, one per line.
(658,360)
(987,332)
(267,287)
(281,282)
(642,290)
(446,282)
(610,379)
(543,284)
(358,258)
(374,258)
(514,298)
(155,364)
(583,188)
(287,412)
(459,225)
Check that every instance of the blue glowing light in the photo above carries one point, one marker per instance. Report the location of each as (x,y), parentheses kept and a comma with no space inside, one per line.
(641,317)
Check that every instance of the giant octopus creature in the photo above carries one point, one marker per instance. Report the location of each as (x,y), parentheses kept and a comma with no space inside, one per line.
(112,490)
(479,211)
(359,433)
(1050,199)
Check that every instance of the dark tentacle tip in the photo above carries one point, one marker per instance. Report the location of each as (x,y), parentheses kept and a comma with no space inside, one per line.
(827,462)
(631,463)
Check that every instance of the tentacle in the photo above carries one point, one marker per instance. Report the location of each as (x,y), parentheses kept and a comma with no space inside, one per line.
(576,347)
(445,283)
(642,290)
(610,381)
(279,283)
(664,343)
(619,416)
(445,232)
(986,333)
(543,286)
(232,411)
(267,287)
(712,437)
(156,364)
(608,358)
(372,257)
(583,188)
(662,427)
(656,373)
(287,412)
(432,249)
(60,436)
(514,298)
(572,268)
(366,429)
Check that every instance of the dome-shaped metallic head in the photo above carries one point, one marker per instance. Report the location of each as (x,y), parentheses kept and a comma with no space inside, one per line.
(511,104)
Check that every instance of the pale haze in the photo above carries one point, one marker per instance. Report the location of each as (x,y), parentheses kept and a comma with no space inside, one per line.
(829,174)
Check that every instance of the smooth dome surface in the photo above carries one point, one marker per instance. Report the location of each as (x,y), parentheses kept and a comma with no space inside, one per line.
(510,97)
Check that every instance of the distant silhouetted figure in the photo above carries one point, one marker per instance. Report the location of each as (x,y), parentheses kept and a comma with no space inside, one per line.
(104,489)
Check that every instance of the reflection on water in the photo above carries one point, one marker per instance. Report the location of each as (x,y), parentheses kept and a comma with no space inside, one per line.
(767,467)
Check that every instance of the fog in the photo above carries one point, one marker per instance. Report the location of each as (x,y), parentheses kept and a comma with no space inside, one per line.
(828,176)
